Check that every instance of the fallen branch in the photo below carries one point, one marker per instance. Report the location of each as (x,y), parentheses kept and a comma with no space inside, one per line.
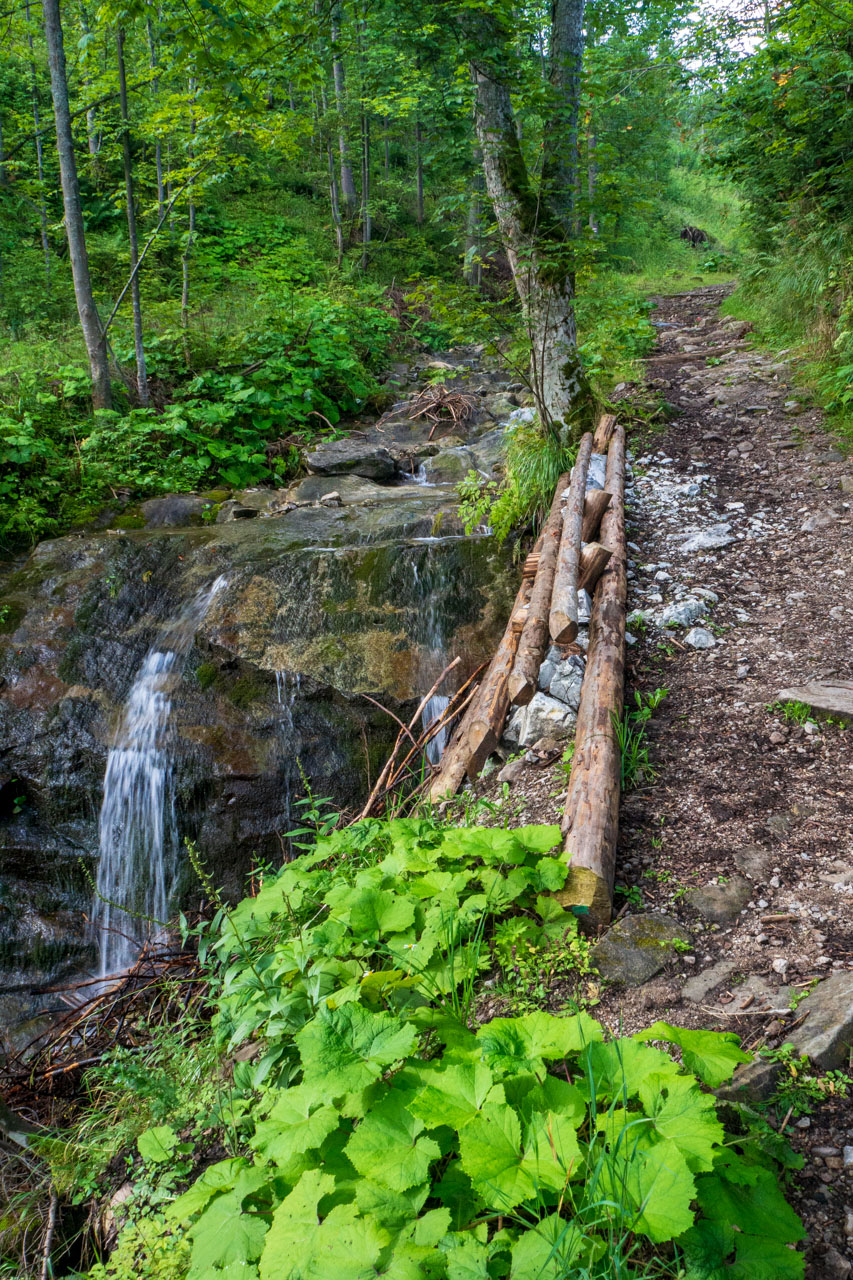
(533,642)
(563,618)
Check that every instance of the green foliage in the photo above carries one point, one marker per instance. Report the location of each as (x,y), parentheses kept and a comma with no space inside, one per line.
(631,736)
(149,1249)
(800,1087)
(535,460)
(793,712)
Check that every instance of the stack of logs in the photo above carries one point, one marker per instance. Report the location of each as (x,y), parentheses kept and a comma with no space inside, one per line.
(566,560)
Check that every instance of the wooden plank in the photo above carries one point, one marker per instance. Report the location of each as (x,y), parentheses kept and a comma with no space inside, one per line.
(563,617)
(591,819)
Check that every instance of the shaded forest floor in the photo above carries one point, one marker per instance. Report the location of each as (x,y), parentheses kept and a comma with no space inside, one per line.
(742,838)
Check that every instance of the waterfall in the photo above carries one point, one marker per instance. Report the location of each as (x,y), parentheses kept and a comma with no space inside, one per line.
(138,828)
(430,638)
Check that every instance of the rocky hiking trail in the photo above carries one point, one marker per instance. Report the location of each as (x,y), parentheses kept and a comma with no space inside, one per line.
(740,849)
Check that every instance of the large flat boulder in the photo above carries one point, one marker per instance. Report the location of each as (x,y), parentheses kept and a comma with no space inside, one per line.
(352,457)
(832,696)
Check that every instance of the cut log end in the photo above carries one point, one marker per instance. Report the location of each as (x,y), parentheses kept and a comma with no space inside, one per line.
(563,628)
(521,690)
(583,888)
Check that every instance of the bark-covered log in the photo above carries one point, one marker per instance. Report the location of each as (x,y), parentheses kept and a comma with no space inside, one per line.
(591,819)
(597,502)
(534,638)
(563,617)
(604,432)
(593,561)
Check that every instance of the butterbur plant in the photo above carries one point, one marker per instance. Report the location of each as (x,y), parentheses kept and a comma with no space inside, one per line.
(389,1136)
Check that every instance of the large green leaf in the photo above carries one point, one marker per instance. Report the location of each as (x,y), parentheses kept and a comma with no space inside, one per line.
(552,1155)
(454,1095)
(519,1044)
(546,1251)
(377,911)
(469,1260)
(298,1122)
(711,1055)
(678,1110)
(619,1068)
(386,1146)
(225,1233)
(748,1197)
(299,1246)
(217,1177)
(350,1047)
(653,1188)
(490,1153)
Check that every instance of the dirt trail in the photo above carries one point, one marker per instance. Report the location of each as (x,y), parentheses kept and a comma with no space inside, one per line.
(742,534)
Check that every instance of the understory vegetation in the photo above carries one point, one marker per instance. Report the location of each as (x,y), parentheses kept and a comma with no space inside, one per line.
(345,1112)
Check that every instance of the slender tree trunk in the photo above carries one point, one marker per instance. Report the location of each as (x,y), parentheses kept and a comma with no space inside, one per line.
(473,266)
(387,142)
(34,93)
(93,141)
(534,239)
(591,174)
(366,219)
(419,208)
(158,150)
(4,177)
(127,156)
(93,334)
(348,191)
(185,256)
(335,203)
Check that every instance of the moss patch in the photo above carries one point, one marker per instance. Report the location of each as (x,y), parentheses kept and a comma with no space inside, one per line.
(206,674)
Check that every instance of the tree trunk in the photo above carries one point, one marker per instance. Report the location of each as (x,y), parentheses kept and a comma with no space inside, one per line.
(348,190)
(93,140)
(185,256)
(534,239)
(333,198)
(34,93)
(366,220)
(127,158)
(419,202)
(534,640)
(473,266)
(158,152)
(93,335)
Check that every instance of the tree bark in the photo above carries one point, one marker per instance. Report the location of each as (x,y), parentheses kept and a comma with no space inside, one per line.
(592,562)
(560,163)
(333,200)
(534,638)
(534,238)
(366,220)
(93,335)
(563,619)
(473,266)
(591,819)
(597,502)
(348,191)
(135,296)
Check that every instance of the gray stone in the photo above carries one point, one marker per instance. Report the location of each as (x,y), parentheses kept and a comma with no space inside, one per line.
(584,608)
(352,457)
(754,861)
(681,614)
(449,466)
(720,902)
(698,987)
(700,638)
(512,771)
(488,451)
(543,716)
(711,539)
(637,947)
(174,511)
(547,671)
(833,696)
(753,1082)
(567,681)
(826,1036)
(846,484)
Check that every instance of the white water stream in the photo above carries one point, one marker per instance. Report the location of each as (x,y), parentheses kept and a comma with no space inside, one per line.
(138,830)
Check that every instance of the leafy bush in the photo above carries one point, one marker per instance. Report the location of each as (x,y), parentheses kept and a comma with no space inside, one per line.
(387,1135)
(535,460)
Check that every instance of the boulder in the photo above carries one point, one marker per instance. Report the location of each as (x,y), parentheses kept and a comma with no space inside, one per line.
(174,511)
(449,466)
(683,613)
(700,638)
(567,680)
(637,947)
(352,457)
(826,1035)
(542,717)
(711,539)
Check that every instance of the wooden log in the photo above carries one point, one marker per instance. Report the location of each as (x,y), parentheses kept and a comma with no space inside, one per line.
(563,616)
(534,638)
(531,564)
(487,720)
(591,818)
(594,559)
(597,502)
(480,728)
(604,432)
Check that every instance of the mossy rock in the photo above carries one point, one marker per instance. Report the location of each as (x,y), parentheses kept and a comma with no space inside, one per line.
(206,674)
(10,616)
(130,520)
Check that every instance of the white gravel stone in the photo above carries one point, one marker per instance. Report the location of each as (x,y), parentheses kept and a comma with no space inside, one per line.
(699,638)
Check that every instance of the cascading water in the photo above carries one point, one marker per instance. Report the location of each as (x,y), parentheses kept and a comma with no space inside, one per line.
(430,637)
(138,828)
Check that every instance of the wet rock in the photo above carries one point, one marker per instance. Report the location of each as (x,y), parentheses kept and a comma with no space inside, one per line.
(542,717)
(720,902)
(637,947)
(174,511)
(352,457)
(700,638)
(711,539)
(449,466)
(826,1036)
